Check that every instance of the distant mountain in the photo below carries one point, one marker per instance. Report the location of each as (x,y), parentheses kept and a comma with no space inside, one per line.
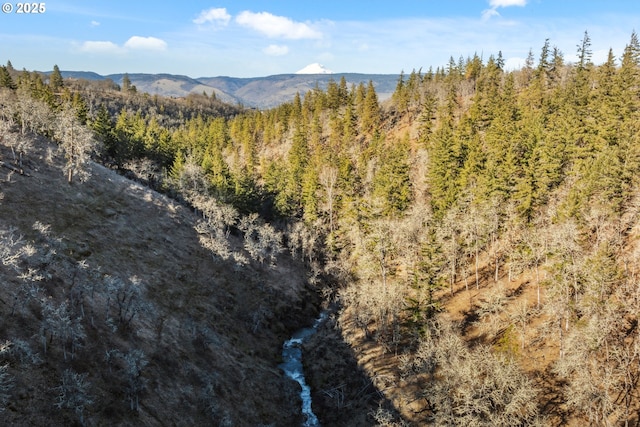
(314,68)
(172,85)
(87,75)
(257,92)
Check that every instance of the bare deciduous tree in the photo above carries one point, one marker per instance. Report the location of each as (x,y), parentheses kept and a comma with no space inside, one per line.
(73,393)
(33,115)
(58,323)
(261,240)
(303,242)
(135,362)
(11,247)
(215,226)
(592,388)
(124,297)
(20,350)
(449,236)
(472,387)
(77,143)
(6,384)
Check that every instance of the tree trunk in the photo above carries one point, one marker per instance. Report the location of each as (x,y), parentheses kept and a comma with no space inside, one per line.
(538,283)
(477,276)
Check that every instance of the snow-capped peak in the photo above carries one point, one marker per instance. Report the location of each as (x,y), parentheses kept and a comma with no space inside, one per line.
(314,68)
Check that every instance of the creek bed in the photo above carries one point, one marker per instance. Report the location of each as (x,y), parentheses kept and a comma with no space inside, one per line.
(294,369)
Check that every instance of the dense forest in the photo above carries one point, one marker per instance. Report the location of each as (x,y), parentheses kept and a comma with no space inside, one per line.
(478,230)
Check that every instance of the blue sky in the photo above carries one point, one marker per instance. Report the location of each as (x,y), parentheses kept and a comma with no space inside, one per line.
(257,38)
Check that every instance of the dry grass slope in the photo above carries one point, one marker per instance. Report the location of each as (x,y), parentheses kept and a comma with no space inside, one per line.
(164,332)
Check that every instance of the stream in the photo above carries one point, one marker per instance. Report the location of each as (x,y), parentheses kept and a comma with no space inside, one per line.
(293,368)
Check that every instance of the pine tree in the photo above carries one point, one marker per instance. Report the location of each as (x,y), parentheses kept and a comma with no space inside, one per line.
(218,174)
(177,167)
(584,52)
(309,194)
(445,159)
(428,279)
(370,119)
(401,94)
(104,131)
(392,183)
(55,80)
(5,79)
(80,106)
(126,84)
(246,194)
(334,100)
(350,124)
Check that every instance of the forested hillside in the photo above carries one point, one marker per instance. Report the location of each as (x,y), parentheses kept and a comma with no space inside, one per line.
(478,231)
(117,304)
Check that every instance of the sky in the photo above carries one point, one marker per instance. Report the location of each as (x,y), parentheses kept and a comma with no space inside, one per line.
(244,38)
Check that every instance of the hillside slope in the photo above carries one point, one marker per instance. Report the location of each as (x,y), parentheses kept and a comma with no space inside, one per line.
(107,280)
(258,92)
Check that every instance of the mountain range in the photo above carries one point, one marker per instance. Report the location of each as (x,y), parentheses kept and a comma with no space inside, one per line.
(256,92)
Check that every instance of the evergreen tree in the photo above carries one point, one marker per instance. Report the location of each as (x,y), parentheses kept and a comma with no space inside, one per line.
(370,119)
(628,77)
(584,52)
(246,194)
(501,158)
(334,100)
(428,279)
(309,194)
(80,107)
(401,94)
(177,168)
(360,93)
(55,80)
(5,79)
(392,183)
(445,159)
(350,123)
(343,91)
(104,131)
(127,87)
(217,172)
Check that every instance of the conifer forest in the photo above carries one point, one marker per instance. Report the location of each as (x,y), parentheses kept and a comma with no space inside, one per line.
(475,239)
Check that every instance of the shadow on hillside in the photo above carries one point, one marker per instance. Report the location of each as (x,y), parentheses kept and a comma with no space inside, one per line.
(209,331)
(552,400)
(342,392)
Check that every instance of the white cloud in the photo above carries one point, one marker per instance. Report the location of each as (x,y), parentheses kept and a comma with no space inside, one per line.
(495,4)
(145,43)
(276,50)
(214,15)
(134,43)
(277,26)
(506,3)
(95,24)
(488,13)
(100,47)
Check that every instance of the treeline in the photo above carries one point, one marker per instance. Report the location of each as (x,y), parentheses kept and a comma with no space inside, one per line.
(131,126)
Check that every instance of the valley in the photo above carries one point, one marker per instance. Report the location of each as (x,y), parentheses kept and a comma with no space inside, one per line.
(472,235)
